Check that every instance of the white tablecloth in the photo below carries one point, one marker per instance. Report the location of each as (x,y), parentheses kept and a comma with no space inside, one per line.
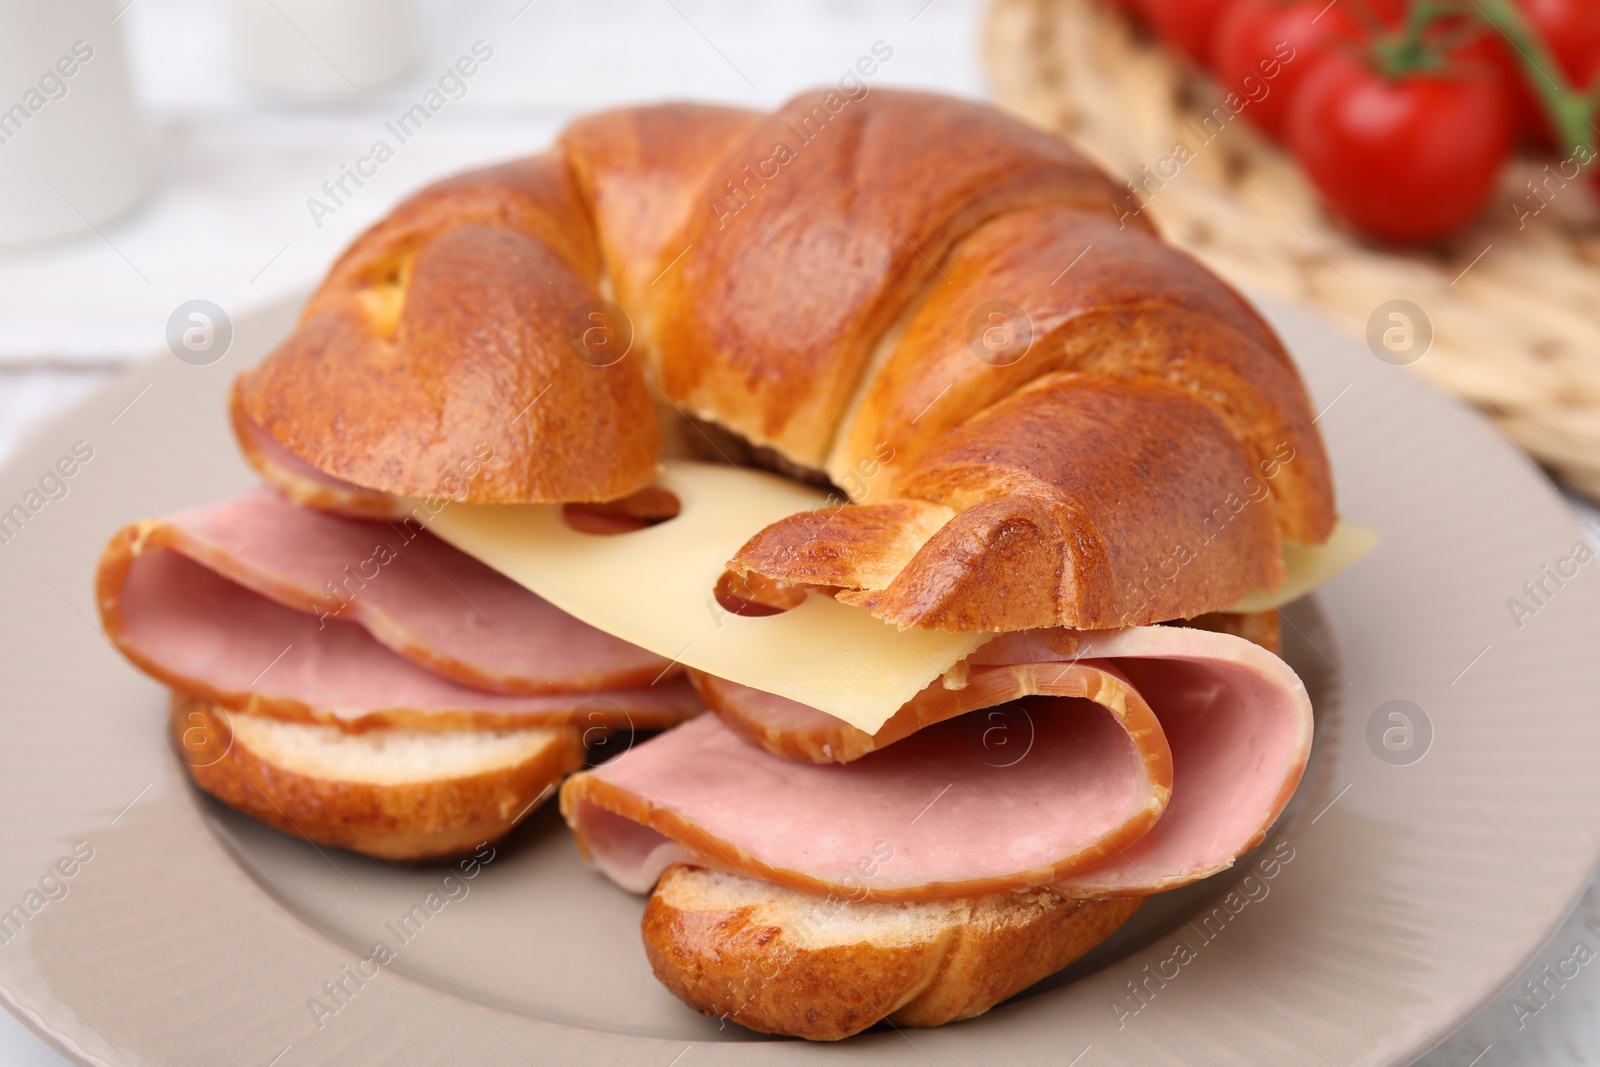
(228,222)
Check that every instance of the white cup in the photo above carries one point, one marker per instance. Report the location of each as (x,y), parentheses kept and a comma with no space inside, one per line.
(314,51)
(73,149)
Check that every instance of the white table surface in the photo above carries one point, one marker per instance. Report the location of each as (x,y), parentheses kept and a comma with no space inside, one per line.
(227,221)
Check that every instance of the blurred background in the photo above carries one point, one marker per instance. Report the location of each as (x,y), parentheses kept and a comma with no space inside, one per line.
(158,152)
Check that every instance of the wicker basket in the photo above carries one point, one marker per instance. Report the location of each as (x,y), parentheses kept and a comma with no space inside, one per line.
(1514,302)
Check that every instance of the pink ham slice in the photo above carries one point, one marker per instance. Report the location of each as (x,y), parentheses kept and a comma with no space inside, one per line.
(922,817)
(1239,722)
(201,634)
(1236,719)
(415,594)
(168,600)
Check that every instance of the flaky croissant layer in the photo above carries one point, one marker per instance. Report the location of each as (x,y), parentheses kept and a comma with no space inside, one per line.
(1043,416)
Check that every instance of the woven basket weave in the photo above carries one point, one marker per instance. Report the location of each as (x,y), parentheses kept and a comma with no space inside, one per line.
(1514,302)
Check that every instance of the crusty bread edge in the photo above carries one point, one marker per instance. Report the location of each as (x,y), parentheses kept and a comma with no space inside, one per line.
(354,502)
(753,968)
(411,821)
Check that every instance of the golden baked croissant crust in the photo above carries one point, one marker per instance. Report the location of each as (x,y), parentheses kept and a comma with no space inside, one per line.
(1042,414)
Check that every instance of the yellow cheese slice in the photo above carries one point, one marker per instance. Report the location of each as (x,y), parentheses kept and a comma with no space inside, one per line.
(655,588)
(1308,566)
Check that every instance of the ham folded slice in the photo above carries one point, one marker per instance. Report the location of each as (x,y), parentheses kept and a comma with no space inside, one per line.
(224,602)
(415,594)
(925,816)
(1234,719)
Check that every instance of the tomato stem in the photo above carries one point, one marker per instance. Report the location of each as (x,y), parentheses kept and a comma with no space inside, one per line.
(1571,111)
(1413,48)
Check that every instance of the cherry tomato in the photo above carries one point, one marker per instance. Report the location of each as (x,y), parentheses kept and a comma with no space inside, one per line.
(1571,30)
(1185,24)
(1527,113)
(1263,50)
(1404,159)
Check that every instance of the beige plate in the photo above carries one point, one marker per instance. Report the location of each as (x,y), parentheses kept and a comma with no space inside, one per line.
(193,936)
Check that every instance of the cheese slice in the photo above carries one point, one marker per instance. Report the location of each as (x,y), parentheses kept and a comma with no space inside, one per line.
(655,588)
(1308,566)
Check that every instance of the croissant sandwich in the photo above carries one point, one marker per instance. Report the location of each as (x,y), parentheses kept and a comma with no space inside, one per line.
(877,426)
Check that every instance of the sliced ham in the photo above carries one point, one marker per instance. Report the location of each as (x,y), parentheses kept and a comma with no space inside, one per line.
(1239,722)
(169,600)
(938,815)
(792,729)
(1234,718)
(415,594)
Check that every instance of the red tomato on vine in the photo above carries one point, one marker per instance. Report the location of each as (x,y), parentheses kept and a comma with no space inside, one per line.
(1571,30)
(1263,50)
(1403,156)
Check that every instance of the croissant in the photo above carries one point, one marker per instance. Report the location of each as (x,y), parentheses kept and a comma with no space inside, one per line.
(1041,414)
